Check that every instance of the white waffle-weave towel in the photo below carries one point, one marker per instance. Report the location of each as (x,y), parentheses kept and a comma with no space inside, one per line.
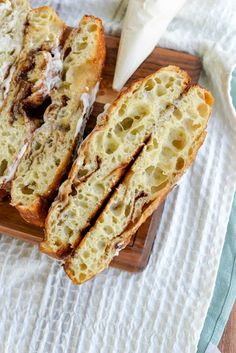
(163,308)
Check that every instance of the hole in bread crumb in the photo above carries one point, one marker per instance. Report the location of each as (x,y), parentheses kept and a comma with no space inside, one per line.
(99,188)
(127,210)
(190,151)
(101,245)
(208,99)
(83,266)
(179,163)
(159,175)
(169,84)
(118,129)
(159,187)
(122,109)
(26,190)
(179,140)
(149,85)
(82,172)
(177,113)
(168,152)
(158,80)
(68,231)
(82,46)
(111,147)
(127,123)
(58,242)
(200,94)
(108,229)
(11,149)
(86,254)
(3,166)
(203,110)
(179,144)
(92,28)
(82,277)
(196,126)
(149,170)
(137,130)
(114,220)
(36,145)
(161,90)
(155,143)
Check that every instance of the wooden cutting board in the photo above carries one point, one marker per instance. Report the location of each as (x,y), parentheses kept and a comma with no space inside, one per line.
(135,256)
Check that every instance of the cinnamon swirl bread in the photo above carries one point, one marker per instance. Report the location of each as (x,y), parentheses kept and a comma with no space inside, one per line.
(166,155)
(35,75)
(50,151)
(106,153)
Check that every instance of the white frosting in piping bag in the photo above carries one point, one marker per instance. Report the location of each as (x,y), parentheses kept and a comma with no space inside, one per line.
(145,22)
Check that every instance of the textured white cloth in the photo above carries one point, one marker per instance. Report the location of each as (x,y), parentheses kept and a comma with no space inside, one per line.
(163,308)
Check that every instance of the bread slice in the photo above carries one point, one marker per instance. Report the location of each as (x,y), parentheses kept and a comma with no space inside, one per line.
(35,75)
(170,150)
(50,151)
(12,18)
(105,154)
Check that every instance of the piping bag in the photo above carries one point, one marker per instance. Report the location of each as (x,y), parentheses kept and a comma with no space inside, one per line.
(144,24)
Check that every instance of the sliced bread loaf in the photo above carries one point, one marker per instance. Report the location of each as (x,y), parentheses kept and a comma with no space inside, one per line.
(35,75)
(167,154)
(12,19)
(106,153)
(50,151)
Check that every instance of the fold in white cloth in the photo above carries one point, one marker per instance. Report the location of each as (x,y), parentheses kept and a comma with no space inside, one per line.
(163,308)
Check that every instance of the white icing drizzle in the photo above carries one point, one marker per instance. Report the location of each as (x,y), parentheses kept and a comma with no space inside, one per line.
(12,168)
(119,247)
(51,74)
(54,69)
(88,100)
(102,114)
(7,81)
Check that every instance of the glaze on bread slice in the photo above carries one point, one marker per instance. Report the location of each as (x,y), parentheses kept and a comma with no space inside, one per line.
(106,153)
(35,75)
(12,19)
(170,150)
(50,151)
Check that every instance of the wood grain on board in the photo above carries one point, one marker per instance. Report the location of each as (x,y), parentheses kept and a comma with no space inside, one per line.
(135,256)
(228,340)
